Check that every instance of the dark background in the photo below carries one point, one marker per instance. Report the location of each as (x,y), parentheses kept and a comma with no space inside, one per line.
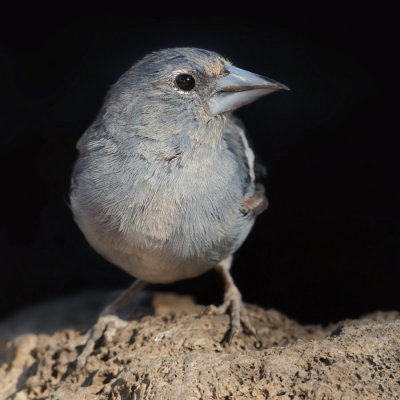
(327,248)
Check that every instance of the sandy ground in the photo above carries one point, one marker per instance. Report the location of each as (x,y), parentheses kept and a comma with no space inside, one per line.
(162,349)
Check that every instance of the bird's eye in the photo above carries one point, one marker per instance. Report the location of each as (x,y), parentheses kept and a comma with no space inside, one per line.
(185,82)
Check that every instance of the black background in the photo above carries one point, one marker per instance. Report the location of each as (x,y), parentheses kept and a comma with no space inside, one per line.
(327,248)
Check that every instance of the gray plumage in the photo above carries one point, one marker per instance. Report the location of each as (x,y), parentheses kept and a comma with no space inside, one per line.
(163,188)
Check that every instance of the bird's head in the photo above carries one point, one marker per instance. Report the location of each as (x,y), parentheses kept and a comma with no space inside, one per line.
(181,86)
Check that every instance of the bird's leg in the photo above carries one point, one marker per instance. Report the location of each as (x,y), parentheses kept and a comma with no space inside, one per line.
(233,302)
(108,321)
(125,296)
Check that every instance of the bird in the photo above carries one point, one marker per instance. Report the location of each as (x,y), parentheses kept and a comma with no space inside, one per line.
(166,185)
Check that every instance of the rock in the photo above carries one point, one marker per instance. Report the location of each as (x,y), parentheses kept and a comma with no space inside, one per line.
(166,351)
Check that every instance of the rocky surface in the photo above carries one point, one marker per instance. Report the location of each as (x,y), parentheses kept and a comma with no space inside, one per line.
(166,351)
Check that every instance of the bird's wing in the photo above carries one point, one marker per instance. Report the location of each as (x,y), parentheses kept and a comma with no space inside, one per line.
(251,170)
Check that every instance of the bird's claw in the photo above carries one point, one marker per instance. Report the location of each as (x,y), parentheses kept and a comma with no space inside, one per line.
(214,310)
(106,326)
(238,313)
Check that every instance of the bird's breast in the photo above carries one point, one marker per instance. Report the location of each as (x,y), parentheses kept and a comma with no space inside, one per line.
(145,217)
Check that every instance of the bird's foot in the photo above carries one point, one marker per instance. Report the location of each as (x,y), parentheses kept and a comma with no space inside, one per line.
(238,313)
(107,323)
(105,327)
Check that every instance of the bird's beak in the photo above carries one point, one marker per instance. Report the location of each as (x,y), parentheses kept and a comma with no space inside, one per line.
(239,87)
